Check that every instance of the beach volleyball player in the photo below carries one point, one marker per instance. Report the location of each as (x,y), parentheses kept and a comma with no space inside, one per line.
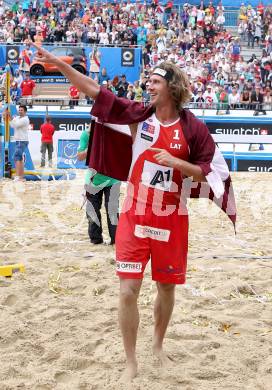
(169,145)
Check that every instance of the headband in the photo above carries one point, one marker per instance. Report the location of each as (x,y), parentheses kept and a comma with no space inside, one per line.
(166,74)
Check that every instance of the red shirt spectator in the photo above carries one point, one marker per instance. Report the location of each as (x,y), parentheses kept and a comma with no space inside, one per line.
(47,130)
(74,92)
(27,86)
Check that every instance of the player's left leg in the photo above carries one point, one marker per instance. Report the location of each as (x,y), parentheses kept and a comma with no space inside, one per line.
(163,309)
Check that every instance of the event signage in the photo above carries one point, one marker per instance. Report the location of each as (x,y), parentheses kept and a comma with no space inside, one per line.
(50,80)
(116,60)
(12,54)
(62,123)
(127,57)
(240,128)
(254,164)
(73,123)
(67,154)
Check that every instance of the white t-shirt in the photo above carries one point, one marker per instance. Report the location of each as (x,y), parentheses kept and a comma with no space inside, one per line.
(234,99)
(20,126)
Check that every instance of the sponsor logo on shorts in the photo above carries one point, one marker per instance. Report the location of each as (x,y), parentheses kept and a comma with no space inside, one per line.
(170,270)
(123,266)
(146,137)
(151,232)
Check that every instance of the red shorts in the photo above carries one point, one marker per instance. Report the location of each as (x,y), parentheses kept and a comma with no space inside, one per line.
(164,239)
(235,57)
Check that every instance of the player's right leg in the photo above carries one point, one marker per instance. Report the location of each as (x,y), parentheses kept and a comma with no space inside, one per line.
(129,323)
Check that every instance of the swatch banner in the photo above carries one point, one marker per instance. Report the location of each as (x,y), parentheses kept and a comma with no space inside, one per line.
(62,123)
(254,165)
(240,128)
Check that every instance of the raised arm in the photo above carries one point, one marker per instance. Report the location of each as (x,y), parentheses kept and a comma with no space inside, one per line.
(84,83)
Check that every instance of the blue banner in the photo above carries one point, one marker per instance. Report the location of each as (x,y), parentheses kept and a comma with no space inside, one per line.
(115,60)
(67,154)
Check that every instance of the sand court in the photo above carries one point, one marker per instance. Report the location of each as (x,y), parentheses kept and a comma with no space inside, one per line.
(58,320)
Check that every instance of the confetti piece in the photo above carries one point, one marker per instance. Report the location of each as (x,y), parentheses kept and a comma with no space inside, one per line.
(259,253)
(70,268)
(98,290)
(192,269)
(55,287)
(224,328)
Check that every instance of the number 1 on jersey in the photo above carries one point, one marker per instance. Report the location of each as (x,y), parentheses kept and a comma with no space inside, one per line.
(176,137)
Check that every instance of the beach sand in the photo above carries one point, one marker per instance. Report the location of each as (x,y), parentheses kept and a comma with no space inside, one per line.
(58,320)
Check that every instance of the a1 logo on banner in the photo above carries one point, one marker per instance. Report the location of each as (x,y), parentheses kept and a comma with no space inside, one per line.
(127,57)
(12,54)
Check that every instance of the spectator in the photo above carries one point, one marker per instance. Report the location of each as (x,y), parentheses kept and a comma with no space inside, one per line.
(25,60)
(199,100)
(222,98)
(18,78)
(234,99)
(15,92)
(74,96)
(96,187)
(103,76)
(27,86)
(95,58)
(210,97)
(130,93)
(257,100)
(267,99)
(138,91)
(258,30)
(47,130)
(20,125)
(250,33)
(236,50)
(122,87)
(245,99)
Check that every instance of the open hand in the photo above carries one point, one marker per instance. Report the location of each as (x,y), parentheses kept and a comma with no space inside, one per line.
(164,158)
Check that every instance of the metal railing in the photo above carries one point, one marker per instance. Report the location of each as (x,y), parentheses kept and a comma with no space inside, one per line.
(223,108)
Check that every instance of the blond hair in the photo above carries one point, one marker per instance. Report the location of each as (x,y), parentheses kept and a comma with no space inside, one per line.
(178,83)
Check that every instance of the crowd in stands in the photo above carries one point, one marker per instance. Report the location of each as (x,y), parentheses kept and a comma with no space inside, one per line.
(193,37)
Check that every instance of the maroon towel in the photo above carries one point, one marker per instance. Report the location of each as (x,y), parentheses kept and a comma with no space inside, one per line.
(111,151)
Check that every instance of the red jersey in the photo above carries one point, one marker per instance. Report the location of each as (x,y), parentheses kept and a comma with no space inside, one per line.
(152,182)
(47,130)
(27,87)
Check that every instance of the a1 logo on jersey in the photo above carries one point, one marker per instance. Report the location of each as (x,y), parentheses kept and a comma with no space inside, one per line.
(176,137)
(157,176)
(161,178)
